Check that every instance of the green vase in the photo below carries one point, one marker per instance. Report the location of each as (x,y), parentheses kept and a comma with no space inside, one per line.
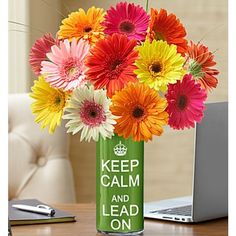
(119,186)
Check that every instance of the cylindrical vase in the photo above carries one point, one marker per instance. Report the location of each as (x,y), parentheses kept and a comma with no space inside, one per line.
(119,186)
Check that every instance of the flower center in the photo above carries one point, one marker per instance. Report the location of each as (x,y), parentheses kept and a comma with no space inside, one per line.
(92,114)
(115,64)
(127,27)
(114,67)
(195,69)
(87,29)
(70,69)
(159,36)
(56,102)
(182,102)
(138,112)
(155,68)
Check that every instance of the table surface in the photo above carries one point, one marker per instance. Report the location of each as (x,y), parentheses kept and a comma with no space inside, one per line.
(85,225)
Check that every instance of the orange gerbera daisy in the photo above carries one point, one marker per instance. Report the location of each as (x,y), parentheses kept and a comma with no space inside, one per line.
(199,63)
(81,25)
(168,28)
(141,112)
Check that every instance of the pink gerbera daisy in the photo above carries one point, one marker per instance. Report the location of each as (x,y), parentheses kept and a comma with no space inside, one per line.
(65,70)
(185,103)
(39,50)
(127,18)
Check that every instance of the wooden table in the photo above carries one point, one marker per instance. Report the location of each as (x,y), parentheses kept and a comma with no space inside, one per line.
(85,226)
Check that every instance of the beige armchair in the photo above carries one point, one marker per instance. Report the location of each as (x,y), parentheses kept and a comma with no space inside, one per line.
(38,162)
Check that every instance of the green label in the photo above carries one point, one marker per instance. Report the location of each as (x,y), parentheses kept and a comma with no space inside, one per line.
(119,185)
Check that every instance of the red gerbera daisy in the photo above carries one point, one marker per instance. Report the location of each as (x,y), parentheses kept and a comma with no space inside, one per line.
(185,103)
(111,63)
(199,63)
(168,28)
(39,50)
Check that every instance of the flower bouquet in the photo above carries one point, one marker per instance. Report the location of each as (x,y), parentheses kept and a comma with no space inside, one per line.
(119,76)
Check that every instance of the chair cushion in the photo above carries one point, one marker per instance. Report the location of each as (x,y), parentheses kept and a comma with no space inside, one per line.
(38,161)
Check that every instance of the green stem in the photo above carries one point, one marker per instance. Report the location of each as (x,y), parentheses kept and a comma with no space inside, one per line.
(147,1)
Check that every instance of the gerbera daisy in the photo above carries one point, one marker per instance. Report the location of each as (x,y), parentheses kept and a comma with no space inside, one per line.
(48,105)
(168,28)
(127,18)
(199,63)
(88,112)
(65,69)
(141,112)
(39,50)
(185,103)
(159,64)
(81,25)
(111,63)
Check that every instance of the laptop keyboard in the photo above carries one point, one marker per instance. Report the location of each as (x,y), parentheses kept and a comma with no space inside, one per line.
(183,211)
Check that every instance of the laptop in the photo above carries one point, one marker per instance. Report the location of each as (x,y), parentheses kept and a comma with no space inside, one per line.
(209,198)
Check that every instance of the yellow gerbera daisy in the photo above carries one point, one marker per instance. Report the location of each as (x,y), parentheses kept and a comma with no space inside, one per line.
(81,25)
(159,64)
(48,105)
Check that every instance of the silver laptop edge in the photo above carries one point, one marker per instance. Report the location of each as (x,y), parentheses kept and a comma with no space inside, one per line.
(209,198)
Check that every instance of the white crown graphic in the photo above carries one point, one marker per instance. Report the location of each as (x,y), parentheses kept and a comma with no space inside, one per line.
(120,149)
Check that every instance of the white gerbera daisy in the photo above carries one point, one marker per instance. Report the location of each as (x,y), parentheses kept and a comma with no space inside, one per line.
(88,112)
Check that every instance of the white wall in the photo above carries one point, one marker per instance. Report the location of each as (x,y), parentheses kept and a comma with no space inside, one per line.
(38,17)
(18,46)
